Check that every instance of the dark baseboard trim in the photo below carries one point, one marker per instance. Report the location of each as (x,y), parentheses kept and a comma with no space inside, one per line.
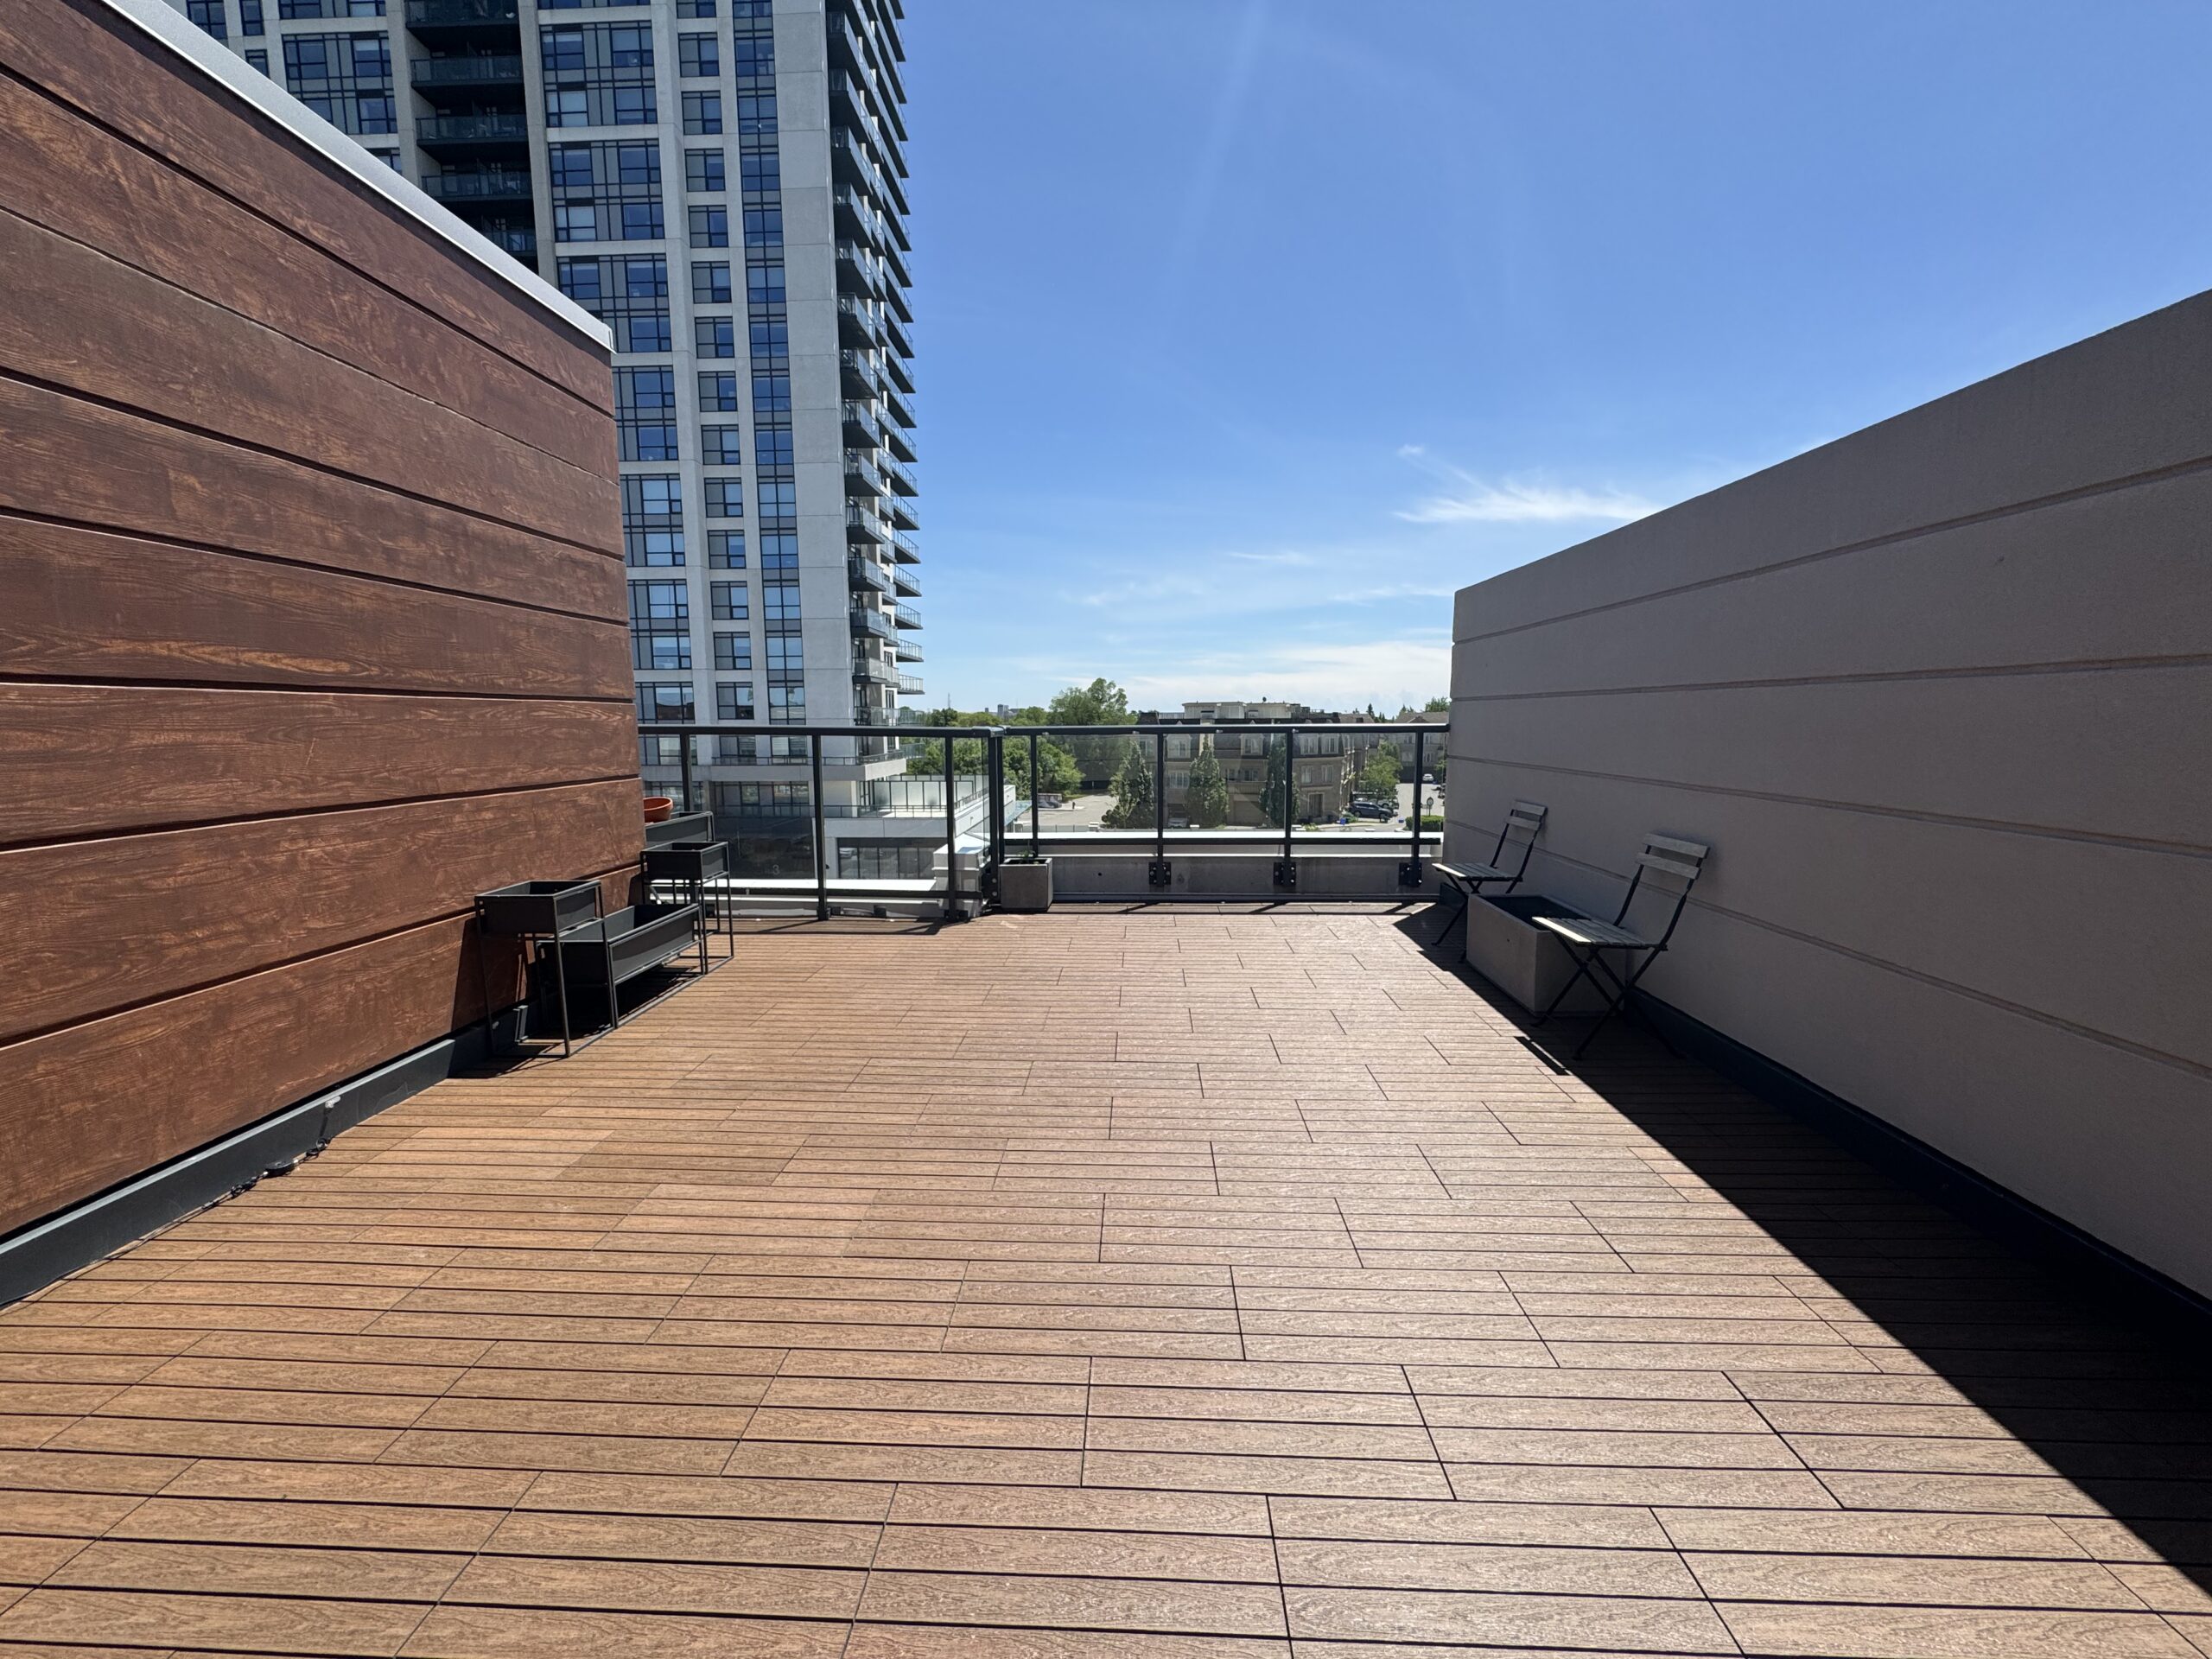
(34,1256)
(2020,1222)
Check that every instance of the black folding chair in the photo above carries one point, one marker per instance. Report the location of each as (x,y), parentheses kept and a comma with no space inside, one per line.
(1666,862)
(1463,882)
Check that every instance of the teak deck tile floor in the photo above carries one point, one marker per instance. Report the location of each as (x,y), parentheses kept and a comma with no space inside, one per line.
(1170,1285)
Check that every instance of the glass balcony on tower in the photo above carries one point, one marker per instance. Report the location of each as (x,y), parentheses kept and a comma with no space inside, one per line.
(858,272)
(478,184)
(894,260)
(857,323)
(859,222)
(860,379)
(464,25)
(501,131)
(477,72)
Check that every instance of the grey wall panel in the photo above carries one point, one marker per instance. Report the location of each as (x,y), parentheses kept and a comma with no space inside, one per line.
(2115,575)
(2131,403)
(1940,696)
(1956,748)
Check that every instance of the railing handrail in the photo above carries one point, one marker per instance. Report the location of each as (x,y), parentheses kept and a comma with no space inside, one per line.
(1417,838)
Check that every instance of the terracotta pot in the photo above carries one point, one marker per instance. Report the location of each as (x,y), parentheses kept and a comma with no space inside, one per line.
(658,807)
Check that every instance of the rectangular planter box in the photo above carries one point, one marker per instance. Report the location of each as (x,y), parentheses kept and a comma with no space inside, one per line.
(1026,885)
(541,907)
(684,826)
(1524,961)
(642,937)
(687,861)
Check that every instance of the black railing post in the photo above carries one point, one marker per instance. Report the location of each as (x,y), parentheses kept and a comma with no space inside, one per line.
(1418,737)
(994,780)
(683,760)
(1158,795)
(1033,831)
(1289,786)
(951,826)
(821,831)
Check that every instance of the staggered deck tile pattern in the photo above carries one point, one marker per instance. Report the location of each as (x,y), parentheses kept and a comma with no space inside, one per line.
(1148,1285)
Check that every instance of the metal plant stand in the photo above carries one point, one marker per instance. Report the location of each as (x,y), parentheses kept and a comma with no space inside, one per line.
(688,866)
(535,912)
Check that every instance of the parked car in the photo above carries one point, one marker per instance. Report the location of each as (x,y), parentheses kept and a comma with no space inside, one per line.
(1373,809)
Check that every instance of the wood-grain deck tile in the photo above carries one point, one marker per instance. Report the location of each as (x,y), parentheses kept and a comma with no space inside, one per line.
(1160,1285)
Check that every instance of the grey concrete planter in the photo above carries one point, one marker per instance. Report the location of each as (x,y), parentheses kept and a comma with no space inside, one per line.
(1524,961)
(1025,885)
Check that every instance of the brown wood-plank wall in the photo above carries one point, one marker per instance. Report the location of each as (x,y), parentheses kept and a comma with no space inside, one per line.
(312,614)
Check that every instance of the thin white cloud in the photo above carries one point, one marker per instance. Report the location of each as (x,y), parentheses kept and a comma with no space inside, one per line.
(1517,501)
(1147,591)
(1291,557)
(1469,498)
(1395,591)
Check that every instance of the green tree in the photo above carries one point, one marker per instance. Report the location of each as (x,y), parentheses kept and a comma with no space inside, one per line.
(1057,772)
(1133,807)
(1205,800)
(1378,778)
(1437,706)
(1100,704)
(928,761)
(971,755)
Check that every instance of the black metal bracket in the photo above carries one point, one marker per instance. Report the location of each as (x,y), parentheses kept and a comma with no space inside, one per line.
(1287,874)
(1409,873)
(1160,872)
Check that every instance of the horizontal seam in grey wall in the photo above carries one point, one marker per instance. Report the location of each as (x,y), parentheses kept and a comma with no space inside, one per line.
(2041,832)
(2106,1039)
(1991,671)
(1895,537)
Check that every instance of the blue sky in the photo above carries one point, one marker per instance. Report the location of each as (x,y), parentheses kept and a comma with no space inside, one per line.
(1247,330)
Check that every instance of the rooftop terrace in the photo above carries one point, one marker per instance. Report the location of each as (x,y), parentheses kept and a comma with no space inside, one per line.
(1174,1285)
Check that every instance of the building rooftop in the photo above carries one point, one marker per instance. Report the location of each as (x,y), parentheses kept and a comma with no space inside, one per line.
(1180,1286)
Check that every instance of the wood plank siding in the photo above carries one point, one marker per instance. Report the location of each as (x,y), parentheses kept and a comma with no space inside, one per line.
(312,613)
